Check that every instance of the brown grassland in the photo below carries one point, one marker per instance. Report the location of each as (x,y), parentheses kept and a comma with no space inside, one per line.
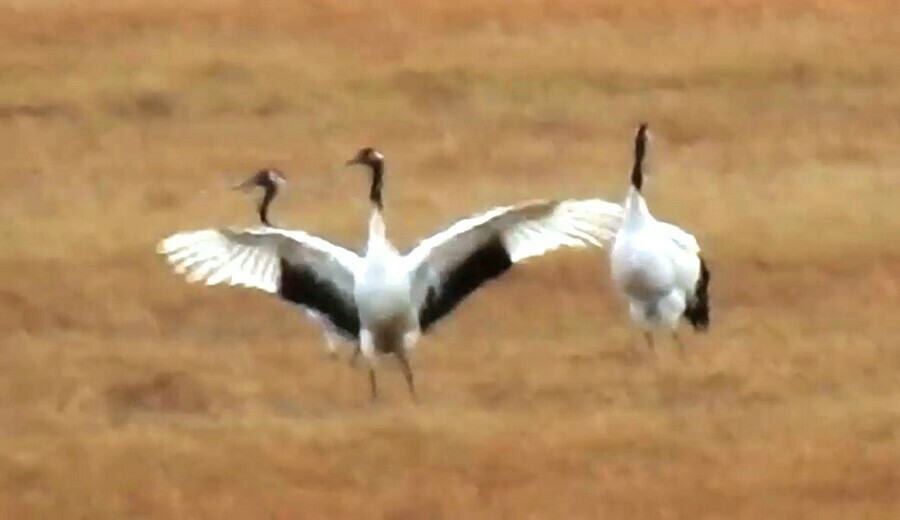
(127,393)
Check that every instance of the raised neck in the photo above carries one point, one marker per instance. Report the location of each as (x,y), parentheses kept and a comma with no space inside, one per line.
(377,184)
(636,212)
(637,175)
(640,150)
(269,194)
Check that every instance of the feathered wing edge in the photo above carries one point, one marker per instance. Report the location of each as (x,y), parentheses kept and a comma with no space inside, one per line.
(453,263)
(303,269)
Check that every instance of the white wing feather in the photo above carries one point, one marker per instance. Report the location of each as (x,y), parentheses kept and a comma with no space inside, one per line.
(528,229)
(572,223)
(525,230)
(251,257)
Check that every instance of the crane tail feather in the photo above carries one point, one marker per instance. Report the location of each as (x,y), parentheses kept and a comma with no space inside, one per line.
(697,311)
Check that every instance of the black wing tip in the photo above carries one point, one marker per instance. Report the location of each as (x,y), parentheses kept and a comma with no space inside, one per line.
(697,311)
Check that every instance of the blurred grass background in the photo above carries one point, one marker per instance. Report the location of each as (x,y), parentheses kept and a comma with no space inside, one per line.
(129,394)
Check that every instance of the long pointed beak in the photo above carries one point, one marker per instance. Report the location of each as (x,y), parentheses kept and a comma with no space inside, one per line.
(352,162)
(244,186)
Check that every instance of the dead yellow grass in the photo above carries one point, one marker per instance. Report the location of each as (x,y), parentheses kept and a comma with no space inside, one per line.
(129,394)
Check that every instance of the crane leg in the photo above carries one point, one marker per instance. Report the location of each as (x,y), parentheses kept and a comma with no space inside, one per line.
(403,358)
(331,346)
(648,337)
(355,356)
(367,348)
(678,342)
(373,385)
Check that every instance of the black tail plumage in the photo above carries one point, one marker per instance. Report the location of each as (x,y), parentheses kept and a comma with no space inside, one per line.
(697,311)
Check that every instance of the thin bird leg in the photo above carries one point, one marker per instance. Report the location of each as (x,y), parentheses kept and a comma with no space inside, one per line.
(678,342)
(648,337)
(407,371)
(355,356)
(372,384)
(367,347)
(331,346)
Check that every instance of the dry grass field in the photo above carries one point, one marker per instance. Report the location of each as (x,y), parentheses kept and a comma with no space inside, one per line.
(126,393)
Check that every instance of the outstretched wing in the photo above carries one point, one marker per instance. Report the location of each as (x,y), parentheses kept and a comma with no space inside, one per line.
(301,268)
(450,265)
